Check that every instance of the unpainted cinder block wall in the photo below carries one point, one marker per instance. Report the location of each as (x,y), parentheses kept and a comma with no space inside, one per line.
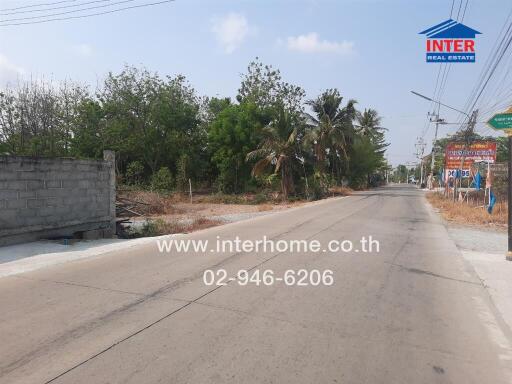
(43,198)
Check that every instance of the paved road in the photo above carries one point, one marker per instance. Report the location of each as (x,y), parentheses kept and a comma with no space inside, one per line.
(412,313)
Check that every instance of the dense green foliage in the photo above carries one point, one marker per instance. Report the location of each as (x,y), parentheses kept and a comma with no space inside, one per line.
(164,134)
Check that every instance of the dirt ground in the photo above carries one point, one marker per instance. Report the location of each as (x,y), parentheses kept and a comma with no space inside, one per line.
(175,213)
(211,210)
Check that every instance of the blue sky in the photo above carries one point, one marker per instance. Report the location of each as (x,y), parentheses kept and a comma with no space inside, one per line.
(369,50)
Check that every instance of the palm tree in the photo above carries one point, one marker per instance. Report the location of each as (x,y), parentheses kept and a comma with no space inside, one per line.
(369,125)
(278,149)
(331,129)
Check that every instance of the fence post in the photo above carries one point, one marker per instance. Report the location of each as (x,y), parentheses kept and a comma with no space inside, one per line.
(110,158)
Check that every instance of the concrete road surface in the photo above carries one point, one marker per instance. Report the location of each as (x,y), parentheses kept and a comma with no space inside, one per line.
(414,312)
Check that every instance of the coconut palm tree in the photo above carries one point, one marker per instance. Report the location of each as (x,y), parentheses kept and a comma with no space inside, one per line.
(331,128)
(369,126)
(370,129)
(278,149)
(368,123)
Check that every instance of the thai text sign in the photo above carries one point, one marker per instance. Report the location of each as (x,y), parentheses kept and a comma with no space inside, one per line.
(478,151)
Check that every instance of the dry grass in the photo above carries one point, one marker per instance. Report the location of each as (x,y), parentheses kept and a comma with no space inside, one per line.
(195,225)
(340,191)
(464,213)
(163,227)
(173,213)
(264,207)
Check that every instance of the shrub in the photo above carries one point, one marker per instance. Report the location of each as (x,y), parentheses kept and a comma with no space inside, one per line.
(162,180)
(260,198)
(134,173)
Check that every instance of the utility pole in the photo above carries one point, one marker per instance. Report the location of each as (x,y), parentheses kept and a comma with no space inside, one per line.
(430,182)
(437,121)
(509,253)
(420,150)
(468,138)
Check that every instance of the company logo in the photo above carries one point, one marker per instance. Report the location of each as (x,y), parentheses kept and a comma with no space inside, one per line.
(450,42)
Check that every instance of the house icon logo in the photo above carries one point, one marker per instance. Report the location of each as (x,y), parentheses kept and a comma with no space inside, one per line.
(450,42)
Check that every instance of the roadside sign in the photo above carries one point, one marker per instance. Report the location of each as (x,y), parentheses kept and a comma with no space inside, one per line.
(464,173)
(501,121)
(476,152)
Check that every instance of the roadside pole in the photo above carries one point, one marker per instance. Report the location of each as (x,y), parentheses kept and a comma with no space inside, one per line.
(503,122)
(420,151)
(421,172)
(509,252)
(430,180)
(467,142)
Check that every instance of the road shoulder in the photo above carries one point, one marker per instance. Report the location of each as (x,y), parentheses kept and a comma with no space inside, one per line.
(484,251)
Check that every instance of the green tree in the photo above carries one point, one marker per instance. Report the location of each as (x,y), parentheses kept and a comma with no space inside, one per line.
(36,117)
(369,127)
(162,180)
(331,130)
(278,148)
(502,149)
(232,135)
(134,173)
(364,161)
(89,130)
(263,86)
(151,119)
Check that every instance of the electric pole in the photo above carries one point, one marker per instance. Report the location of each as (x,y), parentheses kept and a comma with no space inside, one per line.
(420,150)
(468,134)
(438,121)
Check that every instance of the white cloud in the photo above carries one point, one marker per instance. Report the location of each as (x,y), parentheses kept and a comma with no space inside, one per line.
(83,50)
(311,43)
(9,72)
(230,31)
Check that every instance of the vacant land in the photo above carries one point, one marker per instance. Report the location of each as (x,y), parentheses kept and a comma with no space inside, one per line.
(469,214)
(152,213)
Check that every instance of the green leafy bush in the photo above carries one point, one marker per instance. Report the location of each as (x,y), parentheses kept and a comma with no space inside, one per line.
(134,173)
(162,180)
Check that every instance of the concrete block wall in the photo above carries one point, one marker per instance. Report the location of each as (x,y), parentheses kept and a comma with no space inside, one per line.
(46,198)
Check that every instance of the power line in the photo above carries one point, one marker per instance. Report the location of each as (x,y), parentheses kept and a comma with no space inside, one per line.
(458,12)
(53,8)
(489,63)
(464,13)
(447,71)
(491,71)
(441,86)
(67,12)
(38,5)
(88,15)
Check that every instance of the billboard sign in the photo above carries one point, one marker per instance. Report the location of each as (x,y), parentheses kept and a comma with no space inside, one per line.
(476,152)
